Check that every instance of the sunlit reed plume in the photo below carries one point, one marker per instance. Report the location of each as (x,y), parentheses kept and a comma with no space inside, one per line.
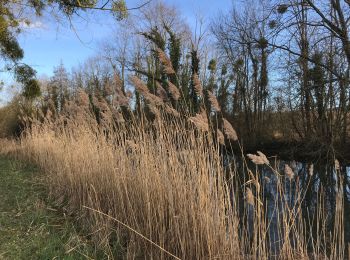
(258,159)
(200,120)
(197,85)
(213,101)
(168,67)
(311,169)
(140,86)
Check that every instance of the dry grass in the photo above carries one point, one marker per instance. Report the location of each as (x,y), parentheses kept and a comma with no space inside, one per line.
(147,186)
(163,190)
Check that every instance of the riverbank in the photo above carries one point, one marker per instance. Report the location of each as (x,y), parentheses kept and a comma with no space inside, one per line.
(30,226)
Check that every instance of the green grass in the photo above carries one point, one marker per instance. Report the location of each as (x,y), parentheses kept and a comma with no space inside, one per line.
(30,227)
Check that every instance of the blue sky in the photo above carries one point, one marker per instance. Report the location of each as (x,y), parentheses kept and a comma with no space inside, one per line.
(47,42)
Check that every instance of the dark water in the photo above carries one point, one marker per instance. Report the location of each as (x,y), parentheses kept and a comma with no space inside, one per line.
(301,195)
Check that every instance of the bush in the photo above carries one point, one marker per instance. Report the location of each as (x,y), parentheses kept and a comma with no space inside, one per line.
(9,119)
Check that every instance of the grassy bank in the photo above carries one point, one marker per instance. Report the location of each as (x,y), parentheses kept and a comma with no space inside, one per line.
(30,226)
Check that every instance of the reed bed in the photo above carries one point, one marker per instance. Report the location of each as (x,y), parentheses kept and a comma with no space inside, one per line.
(160,190)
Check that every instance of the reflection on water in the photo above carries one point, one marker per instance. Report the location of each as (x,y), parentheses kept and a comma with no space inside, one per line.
(308,193)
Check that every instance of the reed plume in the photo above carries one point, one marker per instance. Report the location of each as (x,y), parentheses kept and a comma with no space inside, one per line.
(249,197)
(311,169)
(161,92)
(259,159)
(336,165)
(117,116)
(221,137)
(213,101)
(83,98)
(288,172)
(229,130)
(157,101)
(167,65)
(168,109)
(140,86)
(118,83)
(174,91)
(197,85)
(170,185)
(120,97)
(108,88)
(200,120)
(154,110)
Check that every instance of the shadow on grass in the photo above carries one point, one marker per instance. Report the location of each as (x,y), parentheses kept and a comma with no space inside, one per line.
(30,226)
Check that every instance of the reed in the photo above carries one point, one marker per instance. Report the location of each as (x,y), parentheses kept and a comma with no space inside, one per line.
(163,190)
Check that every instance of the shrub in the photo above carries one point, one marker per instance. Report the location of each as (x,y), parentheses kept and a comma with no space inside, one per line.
(9,119)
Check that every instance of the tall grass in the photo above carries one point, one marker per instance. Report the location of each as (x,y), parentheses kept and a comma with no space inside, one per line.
(160,189)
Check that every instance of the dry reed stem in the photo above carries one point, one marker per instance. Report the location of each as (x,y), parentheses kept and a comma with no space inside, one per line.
(134,231)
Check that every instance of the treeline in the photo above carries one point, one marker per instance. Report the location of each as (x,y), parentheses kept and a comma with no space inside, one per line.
(278,70)
(291,68)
